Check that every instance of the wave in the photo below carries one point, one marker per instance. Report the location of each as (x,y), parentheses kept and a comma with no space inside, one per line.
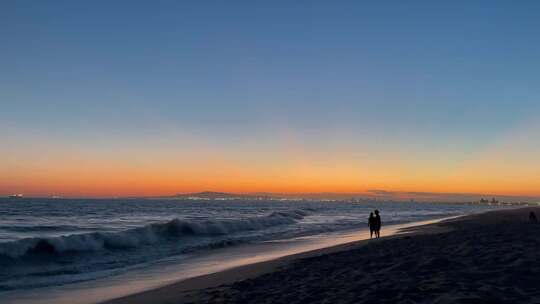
(147,235)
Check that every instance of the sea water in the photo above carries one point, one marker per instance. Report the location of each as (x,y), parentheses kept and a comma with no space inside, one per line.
(52,242)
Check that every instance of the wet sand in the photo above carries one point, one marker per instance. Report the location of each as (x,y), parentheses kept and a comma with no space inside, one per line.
(486,258)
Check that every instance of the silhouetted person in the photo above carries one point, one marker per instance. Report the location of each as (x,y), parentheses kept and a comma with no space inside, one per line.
(378,224)
(532,217)
(371,225)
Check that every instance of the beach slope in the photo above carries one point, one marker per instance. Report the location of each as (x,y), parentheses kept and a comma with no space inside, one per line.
(486,258)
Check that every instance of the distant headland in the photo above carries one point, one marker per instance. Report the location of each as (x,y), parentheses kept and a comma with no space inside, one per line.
(370,195)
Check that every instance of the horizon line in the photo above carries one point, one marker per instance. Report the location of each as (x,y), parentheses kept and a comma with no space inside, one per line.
(370,194)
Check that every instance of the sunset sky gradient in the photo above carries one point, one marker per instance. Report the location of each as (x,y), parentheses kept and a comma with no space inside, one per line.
(116,98)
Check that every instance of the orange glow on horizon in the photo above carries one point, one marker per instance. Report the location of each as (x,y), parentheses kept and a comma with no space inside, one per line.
(103,182)
(508,167)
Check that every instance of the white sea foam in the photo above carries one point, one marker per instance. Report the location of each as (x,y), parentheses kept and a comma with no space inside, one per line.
(147,235)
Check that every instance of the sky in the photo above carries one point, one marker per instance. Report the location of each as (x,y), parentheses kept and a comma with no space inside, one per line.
(116,98)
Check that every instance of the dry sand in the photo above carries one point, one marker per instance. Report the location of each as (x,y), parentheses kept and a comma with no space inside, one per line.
(488,258)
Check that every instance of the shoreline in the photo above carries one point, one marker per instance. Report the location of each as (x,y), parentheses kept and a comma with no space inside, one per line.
(223,265)
(180,291)
(490,257)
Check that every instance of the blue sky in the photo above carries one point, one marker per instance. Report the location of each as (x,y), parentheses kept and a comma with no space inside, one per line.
(450,78)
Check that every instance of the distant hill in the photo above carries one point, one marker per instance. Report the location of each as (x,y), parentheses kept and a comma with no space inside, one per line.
(215,195)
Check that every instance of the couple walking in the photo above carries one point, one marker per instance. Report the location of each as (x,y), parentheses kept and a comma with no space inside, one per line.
(374,224)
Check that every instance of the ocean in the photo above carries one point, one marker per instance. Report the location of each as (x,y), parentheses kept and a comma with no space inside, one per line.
(52,242)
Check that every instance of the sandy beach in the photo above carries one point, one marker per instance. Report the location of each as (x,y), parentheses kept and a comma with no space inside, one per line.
(486,258)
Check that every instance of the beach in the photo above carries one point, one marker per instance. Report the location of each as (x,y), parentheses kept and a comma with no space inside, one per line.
(54,250)
(484,258)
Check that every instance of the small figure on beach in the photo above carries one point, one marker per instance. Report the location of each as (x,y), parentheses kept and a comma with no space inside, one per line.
(378,224)
(371,225)
(532,217)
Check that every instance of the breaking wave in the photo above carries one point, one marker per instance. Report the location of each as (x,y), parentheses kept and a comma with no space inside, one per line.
(147,235)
